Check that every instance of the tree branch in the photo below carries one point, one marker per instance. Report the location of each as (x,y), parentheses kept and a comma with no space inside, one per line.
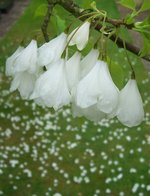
(44,26)
(75,10)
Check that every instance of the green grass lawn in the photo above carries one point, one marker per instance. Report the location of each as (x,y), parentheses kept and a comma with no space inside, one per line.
(43,152)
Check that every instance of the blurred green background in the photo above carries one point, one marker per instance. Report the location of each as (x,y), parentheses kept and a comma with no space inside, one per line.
(43,152)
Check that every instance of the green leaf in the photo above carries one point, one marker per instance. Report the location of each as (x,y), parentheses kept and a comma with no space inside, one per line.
(117,73)
(41,10)
(143,27)
(61,24)
(144,23)
(58,23)
(124,34)
(145,5)
(128,3)
(146,47)
(109,6)
(130,18)
(87,3)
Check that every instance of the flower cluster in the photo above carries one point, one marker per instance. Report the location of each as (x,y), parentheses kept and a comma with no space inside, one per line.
(85,82)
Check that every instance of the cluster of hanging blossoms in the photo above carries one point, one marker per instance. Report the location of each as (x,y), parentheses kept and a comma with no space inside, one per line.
(85,82)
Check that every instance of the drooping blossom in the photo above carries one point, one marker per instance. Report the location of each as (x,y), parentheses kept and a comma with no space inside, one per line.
(109,93)
(51,87)
(22,66)
(10,62)
(24,82)
(91,113)
(87,90)
(98,88)
(79,36)
(130,108)
(27,59)
(51,52)
(73,70)
(88,62)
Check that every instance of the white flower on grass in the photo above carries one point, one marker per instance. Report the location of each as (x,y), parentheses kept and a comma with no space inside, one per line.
(109,93)
(11,61)
(130,109)
(79,36)
(88,62)
(73,70)
(51,87)
(24,82)
(27,59)
(91,113)
(51,52)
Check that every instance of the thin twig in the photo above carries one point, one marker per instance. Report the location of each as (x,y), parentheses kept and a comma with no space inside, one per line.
(47,19)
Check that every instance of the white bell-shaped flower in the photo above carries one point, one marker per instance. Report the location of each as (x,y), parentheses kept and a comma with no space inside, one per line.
(73,70)
(130,107)
(91,113)
(79,36)
(51,52)
(11,61)
(87,90)
(27,59)
(109,93)
(88,62)
(24,82)
(98,88)
(51,87)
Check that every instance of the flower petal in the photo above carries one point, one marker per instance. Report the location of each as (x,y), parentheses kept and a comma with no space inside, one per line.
(130,108)
(50,52)
(87,91)
(80,36)
(109,93)
(11,60)
(88,62)
(73,70)
(27,60)
(91,113)
(52,87)
(24,82)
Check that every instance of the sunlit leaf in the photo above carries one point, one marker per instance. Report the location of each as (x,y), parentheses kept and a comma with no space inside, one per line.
(143,27)
(145,6)
(130,18)
(41,10)
(109,6)
(61,24)
(117,73)
(146,47)
(128,3)
(143,24)
(87,3)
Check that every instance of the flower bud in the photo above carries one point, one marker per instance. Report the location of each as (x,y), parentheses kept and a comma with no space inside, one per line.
(79,36)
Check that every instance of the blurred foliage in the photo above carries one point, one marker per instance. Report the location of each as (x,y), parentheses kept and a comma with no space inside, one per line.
(41,10)
(128,3)
(144,29)
(145,6)
(5,5)
(112,9)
